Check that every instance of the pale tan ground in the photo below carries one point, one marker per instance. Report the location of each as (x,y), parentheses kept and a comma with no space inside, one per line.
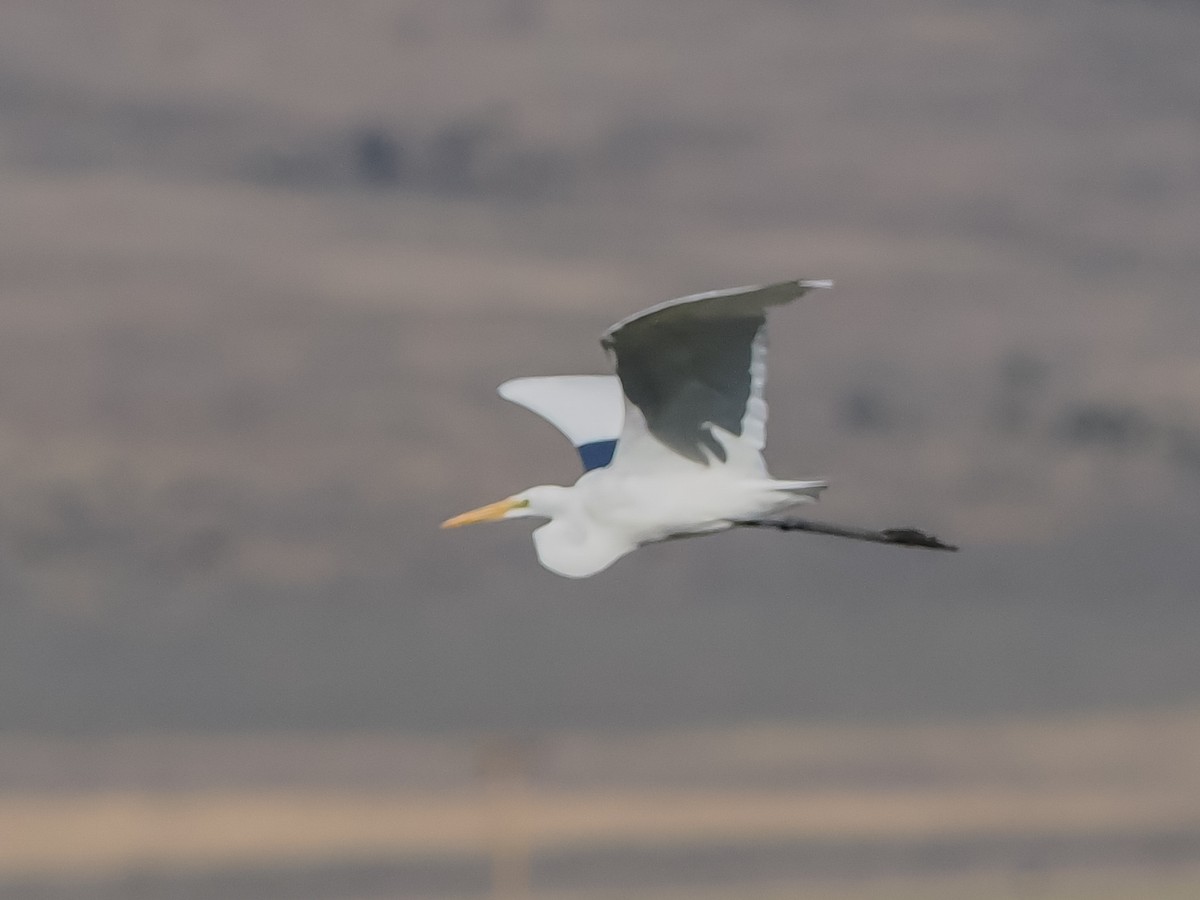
(272,802)
(111,833)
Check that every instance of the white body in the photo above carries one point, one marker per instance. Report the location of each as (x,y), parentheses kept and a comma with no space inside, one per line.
(691,414)
(610,512)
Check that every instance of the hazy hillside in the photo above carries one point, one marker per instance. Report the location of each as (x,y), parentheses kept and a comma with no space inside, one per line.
(1083,807)
(262,264)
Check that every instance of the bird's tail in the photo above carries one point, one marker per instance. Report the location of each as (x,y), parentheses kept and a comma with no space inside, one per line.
(802,489)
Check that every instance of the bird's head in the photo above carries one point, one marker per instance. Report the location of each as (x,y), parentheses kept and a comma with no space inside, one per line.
(544,501)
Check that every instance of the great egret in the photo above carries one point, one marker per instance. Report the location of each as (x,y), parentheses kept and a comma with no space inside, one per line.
(672,445)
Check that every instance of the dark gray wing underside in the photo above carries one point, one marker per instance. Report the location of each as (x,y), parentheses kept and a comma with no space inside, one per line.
(686,375)
(689,364)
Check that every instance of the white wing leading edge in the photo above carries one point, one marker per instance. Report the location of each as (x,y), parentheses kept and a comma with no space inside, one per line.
(588,409)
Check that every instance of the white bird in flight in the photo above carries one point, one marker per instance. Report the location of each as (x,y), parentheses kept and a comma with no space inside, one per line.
(672,444)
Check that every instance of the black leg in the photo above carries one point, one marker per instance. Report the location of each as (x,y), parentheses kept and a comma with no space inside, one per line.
(902,537)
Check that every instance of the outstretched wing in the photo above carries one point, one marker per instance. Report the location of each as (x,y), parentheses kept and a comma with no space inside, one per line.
(588,409)
(694,372)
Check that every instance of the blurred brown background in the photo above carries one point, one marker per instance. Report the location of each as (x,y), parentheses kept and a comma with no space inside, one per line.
(261,267)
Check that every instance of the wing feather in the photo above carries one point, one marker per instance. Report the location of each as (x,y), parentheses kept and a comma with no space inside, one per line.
(694,372)
(588,409)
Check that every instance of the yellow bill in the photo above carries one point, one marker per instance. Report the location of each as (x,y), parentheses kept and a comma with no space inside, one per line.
(493,512)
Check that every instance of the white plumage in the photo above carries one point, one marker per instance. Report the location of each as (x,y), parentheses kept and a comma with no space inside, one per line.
(588,409)
(688,419)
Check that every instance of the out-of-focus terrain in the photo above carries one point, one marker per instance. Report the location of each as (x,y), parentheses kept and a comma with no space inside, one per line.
(1091,806)
(261,267)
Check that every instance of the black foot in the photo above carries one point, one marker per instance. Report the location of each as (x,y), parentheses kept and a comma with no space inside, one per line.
(911,537)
